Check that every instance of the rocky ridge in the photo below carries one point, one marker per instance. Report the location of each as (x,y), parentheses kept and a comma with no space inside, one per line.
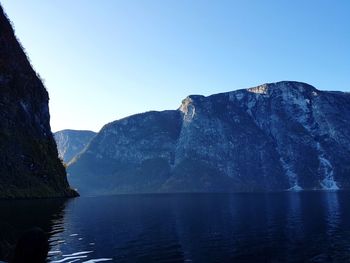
(278,136)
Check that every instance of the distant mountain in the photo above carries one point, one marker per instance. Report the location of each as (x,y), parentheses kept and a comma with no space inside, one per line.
(29,164)
(71,142)
(278,136)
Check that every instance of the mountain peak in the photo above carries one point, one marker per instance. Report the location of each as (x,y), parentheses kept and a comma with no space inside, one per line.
(282,86)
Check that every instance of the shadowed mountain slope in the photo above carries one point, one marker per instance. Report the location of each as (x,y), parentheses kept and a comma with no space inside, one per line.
(29,164)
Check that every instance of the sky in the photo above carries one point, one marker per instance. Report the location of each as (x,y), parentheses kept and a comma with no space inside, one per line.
(103,60)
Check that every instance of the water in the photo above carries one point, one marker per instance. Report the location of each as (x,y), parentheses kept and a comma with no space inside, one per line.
(280,227)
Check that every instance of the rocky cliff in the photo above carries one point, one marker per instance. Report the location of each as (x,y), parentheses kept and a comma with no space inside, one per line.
(72,142)
(29,165)
(278,136)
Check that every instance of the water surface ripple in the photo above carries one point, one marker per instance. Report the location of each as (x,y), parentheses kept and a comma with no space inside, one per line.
(276,227)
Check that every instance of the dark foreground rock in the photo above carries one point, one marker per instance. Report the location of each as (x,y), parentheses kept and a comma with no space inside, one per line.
(29,163)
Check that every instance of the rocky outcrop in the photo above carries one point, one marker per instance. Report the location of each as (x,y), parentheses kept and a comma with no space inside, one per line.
(29,164)
(72,142)
(278,136)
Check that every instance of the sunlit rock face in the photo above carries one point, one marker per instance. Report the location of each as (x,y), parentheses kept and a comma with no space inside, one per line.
(274,137)
(71,142)
(29,164)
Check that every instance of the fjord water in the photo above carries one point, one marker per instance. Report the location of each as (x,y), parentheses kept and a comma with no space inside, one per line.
(277,227)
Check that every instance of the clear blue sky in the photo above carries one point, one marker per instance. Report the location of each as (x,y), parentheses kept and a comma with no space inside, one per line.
(104,60)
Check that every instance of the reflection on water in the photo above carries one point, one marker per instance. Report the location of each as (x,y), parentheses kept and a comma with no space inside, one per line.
(332,211)
(280,227)
(294,230)
(18,216)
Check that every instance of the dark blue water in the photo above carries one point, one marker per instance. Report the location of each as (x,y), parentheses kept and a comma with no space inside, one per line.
(281,227)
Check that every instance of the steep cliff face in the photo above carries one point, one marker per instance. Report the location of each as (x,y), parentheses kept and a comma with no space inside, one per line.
(72,142)
(29,165)
(279,136)
(131,155)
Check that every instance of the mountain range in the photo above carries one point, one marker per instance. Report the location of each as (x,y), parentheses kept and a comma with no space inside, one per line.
(274,137)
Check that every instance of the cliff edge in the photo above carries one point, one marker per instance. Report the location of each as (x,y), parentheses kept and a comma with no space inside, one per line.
(29,163)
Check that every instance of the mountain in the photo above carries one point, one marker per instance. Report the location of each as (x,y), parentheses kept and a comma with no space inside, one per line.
(29,164)
(273,137)
(71,142)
